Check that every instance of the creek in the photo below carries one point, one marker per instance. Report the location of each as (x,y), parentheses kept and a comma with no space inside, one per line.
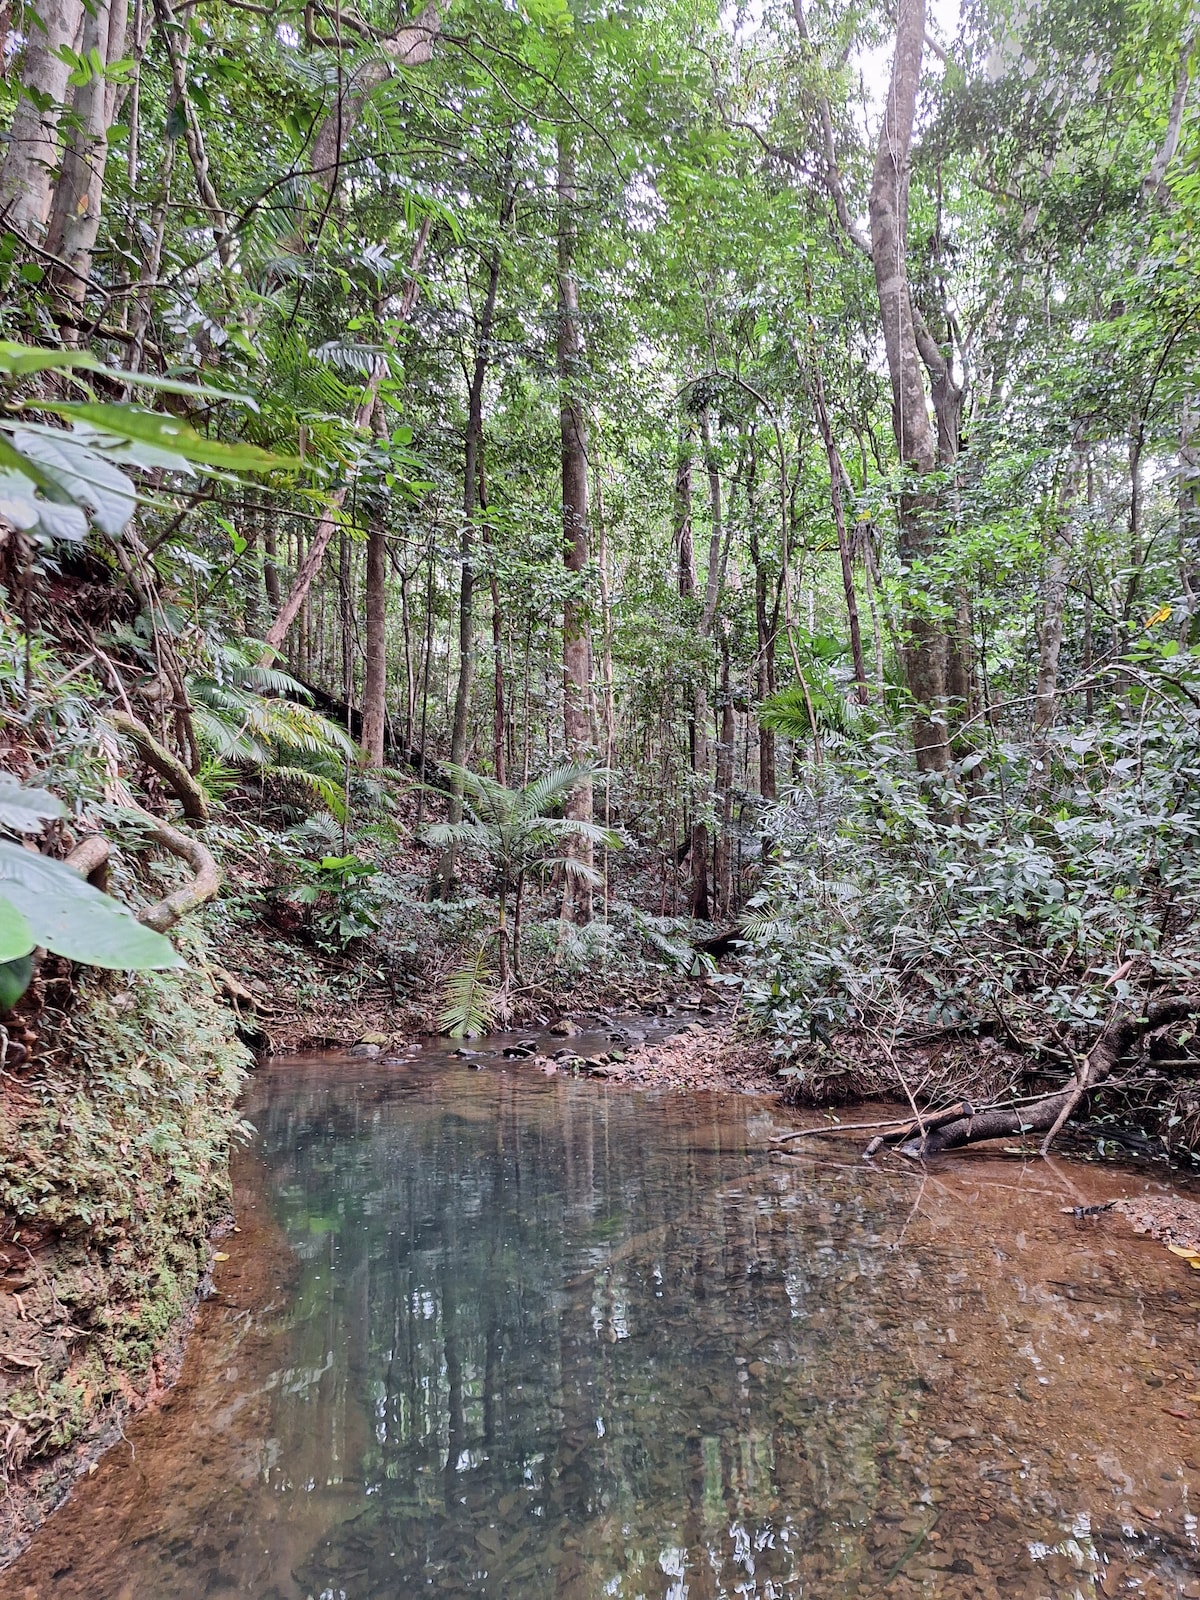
(491,1333)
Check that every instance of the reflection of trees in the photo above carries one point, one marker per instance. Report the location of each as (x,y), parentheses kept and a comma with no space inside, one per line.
(580,1347)
(545,1343)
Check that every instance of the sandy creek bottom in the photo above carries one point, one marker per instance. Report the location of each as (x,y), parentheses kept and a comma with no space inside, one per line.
(491,1333)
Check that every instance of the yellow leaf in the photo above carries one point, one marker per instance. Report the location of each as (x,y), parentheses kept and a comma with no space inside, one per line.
(1161,615)
(1187,1253)
(220,1255)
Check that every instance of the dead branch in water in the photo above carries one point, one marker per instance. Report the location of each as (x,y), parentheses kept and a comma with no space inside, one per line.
(1050,1113)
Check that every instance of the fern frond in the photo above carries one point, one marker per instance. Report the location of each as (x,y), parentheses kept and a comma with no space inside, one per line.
(325,789)
(468,1000)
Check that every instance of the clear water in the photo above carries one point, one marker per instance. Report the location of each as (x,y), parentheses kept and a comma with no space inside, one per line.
(484,1333)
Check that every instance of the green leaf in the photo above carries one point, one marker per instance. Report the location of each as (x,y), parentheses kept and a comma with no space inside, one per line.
(169,433)
(15,978)
(69,916)
(21,359)
(16,937)
(24,809)
(83,474)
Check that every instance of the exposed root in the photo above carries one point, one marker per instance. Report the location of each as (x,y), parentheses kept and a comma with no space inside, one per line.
(1050,1113)
(165,913)
(90,859)
(169,767)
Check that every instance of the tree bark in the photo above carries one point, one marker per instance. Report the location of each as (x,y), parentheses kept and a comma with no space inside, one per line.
(79,192)
(446,880)
(722,854)
(837,475)
(375,667)
(410,46)
(31,154)
(684,545)
(926,649)
(1054,594)
(573,431)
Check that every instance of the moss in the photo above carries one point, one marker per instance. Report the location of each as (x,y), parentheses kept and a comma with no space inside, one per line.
(114,1150)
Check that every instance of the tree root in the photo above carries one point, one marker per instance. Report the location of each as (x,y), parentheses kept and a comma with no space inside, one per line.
(964,1125)
(165,913)
(169,767)
(90,860)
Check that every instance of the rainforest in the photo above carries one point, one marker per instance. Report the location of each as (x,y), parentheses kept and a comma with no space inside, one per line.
(599,619)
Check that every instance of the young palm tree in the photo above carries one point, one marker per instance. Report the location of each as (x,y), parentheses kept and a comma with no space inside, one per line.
(513,831)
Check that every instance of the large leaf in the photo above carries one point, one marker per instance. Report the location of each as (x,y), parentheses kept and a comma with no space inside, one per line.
(24,809)
(23,359)
(20,360)
(69,916)
(169,433)
(82,473)
(15,977)
(16,936)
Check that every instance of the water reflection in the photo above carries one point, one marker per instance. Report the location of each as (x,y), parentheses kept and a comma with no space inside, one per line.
(539,1339)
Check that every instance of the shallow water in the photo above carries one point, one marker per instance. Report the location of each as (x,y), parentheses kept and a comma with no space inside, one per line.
(484,1333)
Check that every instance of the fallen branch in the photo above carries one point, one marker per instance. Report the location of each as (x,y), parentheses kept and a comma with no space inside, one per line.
(169,767)
(1048,1115)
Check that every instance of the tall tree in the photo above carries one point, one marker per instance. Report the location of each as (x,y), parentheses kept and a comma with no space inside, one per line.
(573,433)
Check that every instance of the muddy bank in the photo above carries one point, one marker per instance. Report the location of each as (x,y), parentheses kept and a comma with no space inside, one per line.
(114,1145)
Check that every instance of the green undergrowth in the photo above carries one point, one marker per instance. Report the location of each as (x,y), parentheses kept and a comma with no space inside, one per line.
(114,1148)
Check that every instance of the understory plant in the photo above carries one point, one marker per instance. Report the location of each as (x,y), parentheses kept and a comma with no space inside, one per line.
(515,832)
(1024,898)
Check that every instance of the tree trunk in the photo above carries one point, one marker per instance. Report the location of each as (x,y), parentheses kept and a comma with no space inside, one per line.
(311,565)
(926,648)
(684,545)
(375,669)
(837,475)
(271,564)
(79,192)
(577,644)
(499,707)
(411,46)
(764,656)
(1054,594)
(446,879)
(723,856)
(31,153)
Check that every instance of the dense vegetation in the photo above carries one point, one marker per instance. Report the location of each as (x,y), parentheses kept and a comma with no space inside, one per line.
(531,481)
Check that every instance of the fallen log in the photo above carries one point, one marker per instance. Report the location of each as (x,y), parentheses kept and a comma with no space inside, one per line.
(1048,1115)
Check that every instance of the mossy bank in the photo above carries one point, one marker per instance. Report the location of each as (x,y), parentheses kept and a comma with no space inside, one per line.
(114,1172)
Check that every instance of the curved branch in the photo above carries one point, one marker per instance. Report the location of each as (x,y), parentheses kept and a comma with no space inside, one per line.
(189,793)
(165,913)
(90,860)
(1120,1033)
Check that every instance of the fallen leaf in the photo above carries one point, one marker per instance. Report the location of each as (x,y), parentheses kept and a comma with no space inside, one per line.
(1185,1416)
(1184,1251)
(221,1255)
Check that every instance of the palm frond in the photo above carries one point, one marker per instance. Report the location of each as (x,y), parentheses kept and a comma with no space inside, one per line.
(325,789)
(463,834)
(468,1005)
(226,737)
(578,870)
(536,797)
